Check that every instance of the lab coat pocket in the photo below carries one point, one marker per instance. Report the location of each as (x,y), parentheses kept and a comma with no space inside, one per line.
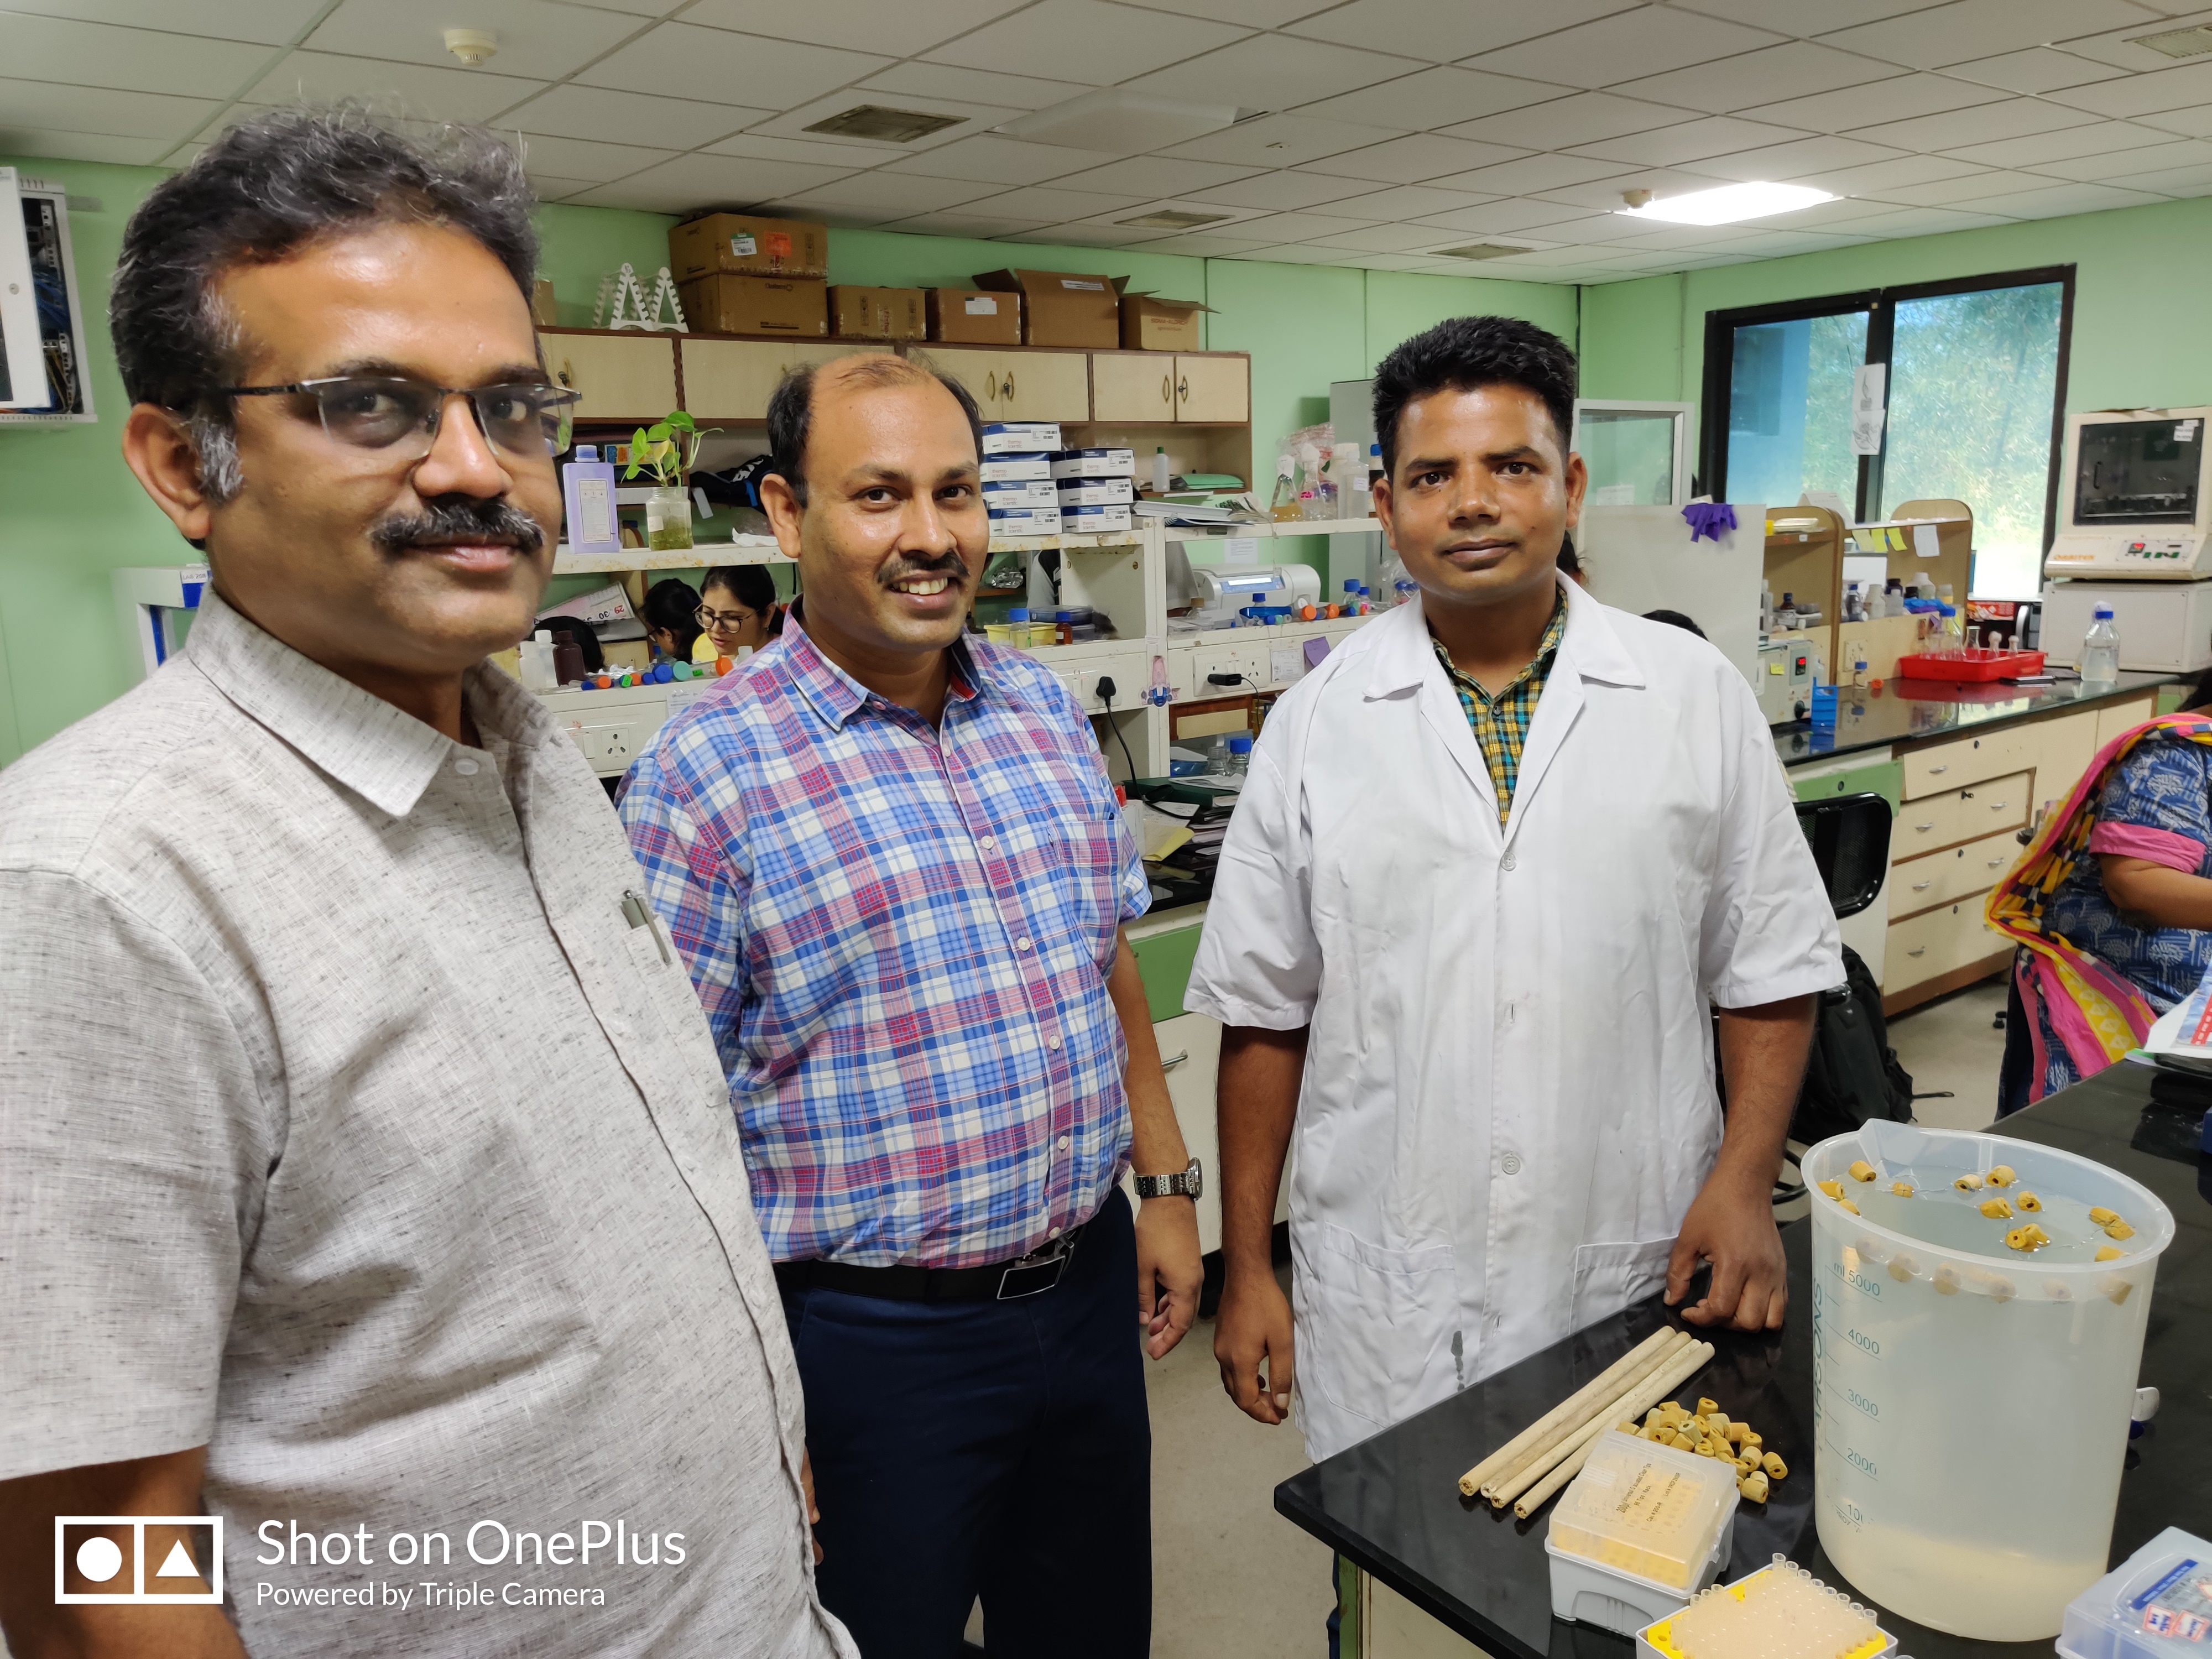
(1379,1345)
(1610,1277)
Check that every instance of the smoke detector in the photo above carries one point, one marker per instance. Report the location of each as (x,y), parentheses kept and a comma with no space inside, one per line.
(474,47)
(1636,198)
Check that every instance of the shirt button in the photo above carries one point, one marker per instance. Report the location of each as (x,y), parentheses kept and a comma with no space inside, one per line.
(1508,864)
(1063,1143)
(989,844)
(1510,1163)
(1054,1233)
(1021,944)
(466,767)
(1053,1043)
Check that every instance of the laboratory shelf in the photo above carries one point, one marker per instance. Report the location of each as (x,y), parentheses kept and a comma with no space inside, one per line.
(758,550)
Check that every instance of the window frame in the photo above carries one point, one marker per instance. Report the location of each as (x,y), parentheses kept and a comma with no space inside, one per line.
(1881,306)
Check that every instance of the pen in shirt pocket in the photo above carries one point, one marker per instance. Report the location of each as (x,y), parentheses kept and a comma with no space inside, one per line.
(640,916)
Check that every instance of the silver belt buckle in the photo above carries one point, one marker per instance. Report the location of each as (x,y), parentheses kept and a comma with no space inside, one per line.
(1038,1271)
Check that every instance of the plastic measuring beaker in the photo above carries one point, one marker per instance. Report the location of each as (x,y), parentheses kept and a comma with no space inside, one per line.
(1971,1400)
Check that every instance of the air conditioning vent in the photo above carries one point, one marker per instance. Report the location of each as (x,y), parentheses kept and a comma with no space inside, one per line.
(2177,43)
(890,126)
(1175,219)
(1480,251)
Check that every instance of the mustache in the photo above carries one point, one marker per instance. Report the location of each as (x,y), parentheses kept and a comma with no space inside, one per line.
(948,564)
(459,519)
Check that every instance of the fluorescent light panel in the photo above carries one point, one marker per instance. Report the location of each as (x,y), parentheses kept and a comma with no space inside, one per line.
(1728,204)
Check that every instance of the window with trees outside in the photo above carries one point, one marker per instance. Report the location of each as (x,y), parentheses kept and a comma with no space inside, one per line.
(1975,375)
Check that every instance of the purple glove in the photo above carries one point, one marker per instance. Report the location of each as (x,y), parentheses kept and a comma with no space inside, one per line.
(1709,519)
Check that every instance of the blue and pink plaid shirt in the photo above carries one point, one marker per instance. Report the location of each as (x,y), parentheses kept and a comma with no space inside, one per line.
(900,936)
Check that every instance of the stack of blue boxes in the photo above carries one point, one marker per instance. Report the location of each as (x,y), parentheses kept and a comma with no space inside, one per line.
(1017,482)
(1096,490)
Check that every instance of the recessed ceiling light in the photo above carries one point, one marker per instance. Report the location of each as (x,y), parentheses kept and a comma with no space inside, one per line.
(1176,219)
(1480,251)
(893,126)
(1727,205)
(1116,119)
(2177,43)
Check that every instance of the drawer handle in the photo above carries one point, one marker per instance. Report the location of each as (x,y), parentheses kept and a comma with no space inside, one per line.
(1182,390)
(1917,950)
(1996,861)
(1933,771)
(1167,388)
(1174,1061)
(1010,385)
(1922,886)
(1999,806)
(1922,827)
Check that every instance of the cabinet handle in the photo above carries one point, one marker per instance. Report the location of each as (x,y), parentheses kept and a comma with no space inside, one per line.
(1934,770)
(1922,886)
(1999,806)
(1010,386)
(1996,861)
(1923,828)
(1918,951)
(1182,390)
(1167,388)
(1174,1061)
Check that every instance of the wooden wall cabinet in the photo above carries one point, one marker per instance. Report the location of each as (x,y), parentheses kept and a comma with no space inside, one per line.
(1010,385)
(733,380)
(1152,388)
(626,377)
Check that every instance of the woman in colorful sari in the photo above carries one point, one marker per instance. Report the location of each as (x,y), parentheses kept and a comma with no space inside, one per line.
(2111,906)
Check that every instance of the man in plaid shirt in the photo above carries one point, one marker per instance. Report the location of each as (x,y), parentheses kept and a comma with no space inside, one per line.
(892,861)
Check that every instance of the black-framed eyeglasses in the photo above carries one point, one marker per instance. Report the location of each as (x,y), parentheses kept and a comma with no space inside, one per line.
(377,411)
(728,621)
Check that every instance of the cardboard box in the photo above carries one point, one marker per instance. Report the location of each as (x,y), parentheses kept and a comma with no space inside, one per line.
(971,316)
(1062,308)
(1002,496)
(1151,324)
(1095,492)
(1026,521)
(738,245)
(1094,464)
(541,303)
(875,313)
(1095,520)
(1021,437)
(756,305)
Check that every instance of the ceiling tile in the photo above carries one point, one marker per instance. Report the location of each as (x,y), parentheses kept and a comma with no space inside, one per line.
(1792,70)
(1281,141)
(1448,29)
(899,31)
(1691,140)
(1923,221)
(268,22)
(2015,118)
(51,107)
(1795,160)
(765,147)
(38,143)
(588,162)
(1403,202)
(2180,182)
(2183,86)
(1838,213)
(1435,97)
(1272,71)
(1587,118)
(1203,244)
(614,117)
(696,181)
(1966,187)
(975,226)
(1416,156)
(901,194)
(1646,41)
(1977,28)
(1253,14)
(805,207)
(1881,100)
(1606,193)
(538,39)
(2039,68)
(1780,244)
(1382,238)
(997,161)
(423,93)
(1805,16)
(1291,227)
(1154,175)
(1505,216)
(2069,144)
(972,85)
(794,124)
(1533,174)
(684,61)
(550,188)
(1279,192)
(2196,123)
(68,50)
(1052,205)
(1085,40)
(2128,167)
(1091,234)
(1873,178)
(2058,199)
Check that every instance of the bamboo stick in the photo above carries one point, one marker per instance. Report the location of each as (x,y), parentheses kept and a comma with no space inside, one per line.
(1502,1489)
(1570,1410)
(1537,1496)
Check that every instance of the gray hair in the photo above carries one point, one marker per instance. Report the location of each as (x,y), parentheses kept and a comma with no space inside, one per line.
(268,188)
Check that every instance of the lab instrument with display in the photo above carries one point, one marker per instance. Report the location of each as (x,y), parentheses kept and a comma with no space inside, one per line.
(2134,509)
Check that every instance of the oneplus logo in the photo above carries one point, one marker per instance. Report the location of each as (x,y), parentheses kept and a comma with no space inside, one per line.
(138,1558)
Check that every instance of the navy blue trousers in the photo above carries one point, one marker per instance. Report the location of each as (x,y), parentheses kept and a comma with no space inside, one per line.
(999,1449)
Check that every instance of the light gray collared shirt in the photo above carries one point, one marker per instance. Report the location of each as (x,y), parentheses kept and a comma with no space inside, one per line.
(349,1128)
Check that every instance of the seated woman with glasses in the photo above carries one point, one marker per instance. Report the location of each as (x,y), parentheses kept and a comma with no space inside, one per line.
(739,607)
(672,618)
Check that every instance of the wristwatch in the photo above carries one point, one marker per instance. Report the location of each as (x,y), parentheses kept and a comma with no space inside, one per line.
(1189,1184)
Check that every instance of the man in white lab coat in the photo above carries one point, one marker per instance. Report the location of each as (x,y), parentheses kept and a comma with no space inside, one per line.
(1496,858)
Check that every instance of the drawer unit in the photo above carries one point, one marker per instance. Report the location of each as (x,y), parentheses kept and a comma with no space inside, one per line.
(1966,871)
(1938,942)
(1960,815)
(2069,744)
(2116,717)
(1970,760)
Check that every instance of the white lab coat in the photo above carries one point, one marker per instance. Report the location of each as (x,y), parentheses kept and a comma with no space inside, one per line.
(1509,1098)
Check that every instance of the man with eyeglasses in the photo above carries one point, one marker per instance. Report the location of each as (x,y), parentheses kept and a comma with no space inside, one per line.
(368,1181)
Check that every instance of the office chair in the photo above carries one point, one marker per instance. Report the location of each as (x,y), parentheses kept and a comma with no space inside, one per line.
(1850,838)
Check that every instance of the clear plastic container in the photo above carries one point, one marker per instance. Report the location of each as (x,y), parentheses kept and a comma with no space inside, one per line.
(1970,1398)
(1240,754)
(1779,1612)
(2157,1604)
(2100,649)
(1638,1532)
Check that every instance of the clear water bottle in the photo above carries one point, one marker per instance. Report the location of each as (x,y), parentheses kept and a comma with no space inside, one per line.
(2100,649)
(1240,754)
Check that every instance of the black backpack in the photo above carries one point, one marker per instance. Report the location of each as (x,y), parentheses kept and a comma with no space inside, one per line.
(1852,1073)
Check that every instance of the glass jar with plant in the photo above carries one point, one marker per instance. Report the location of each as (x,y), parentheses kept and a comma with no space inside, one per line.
(664,452)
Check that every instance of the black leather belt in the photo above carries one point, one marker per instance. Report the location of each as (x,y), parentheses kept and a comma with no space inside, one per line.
(1000,1281)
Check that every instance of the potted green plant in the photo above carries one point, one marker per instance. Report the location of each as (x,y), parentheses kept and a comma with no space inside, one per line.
(663,453)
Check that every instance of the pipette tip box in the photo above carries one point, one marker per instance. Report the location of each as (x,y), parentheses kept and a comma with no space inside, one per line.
(1638,1532)
(2157,1604)
(1806,1617)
